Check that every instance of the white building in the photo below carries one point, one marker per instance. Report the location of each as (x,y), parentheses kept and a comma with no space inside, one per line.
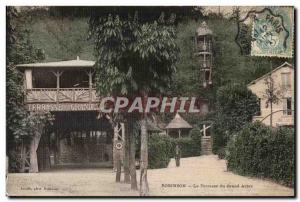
(283,110)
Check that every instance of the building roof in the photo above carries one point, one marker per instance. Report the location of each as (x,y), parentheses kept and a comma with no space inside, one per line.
(203,30)
(285,64)
(68,63)
(178,123)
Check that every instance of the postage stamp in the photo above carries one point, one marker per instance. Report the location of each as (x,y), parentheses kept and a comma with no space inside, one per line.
(268,32)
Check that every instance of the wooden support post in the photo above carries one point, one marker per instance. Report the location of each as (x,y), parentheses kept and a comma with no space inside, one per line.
(86,147)
(28,78)
(58,146)
(115,139)
(117,153)
(90,75)
(57,74)
(118,167)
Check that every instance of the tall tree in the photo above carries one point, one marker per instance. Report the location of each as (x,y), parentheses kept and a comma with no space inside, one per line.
(134,58)
(21,126)
(272,95)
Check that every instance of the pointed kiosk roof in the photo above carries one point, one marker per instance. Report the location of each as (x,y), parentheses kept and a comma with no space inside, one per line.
(178,123)
(63,64)
(203,30)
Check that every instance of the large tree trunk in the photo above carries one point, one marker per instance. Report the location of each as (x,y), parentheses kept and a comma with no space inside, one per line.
(132,158)
(126,156)
(144,188)
(33,155)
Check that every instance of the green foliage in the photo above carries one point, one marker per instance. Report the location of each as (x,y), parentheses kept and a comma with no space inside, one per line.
(189,146)
(235,107)
(283,159)
(160,151)
(228,63)
(256,150)
(195,135)
(146,13)
(162,148)
(68,38)
(221,153)
(133,56)
(20,124)
(187,78)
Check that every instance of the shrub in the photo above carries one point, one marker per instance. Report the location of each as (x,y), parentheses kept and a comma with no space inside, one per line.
(160,151)
(187,146)
(221,153)
(235,106)
(283,159)
(190,146)
(257,150)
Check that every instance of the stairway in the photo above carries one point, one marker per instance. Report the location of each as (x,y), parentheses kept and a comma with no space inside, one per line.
(206,145)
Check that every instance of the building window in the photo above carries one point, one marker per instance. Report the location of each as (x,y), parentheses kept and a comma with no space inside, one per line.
(259,107)
(286,80)
(287,110)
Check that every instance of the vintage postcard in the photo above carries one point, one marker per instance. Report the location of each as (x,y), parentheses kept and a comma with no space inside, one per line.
(150,101)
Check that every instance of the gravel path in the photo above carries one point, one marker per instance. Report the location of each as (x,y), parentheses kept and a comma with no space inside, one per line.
(197,176)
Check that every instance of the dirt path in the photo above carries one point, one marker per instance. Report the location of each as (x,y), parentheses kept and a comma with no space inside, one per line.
(197,176)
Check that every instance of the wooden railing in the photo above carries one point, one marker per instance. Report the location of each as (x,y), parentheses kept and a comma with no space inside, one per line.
(59,95)
(204,47)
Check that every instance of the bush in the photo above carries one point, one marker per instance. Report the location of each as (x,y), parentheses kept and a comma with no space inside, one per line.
(235,106)
(221,153)
(283,159)
(162,148)
(257,150)
(190,146)
(160,151)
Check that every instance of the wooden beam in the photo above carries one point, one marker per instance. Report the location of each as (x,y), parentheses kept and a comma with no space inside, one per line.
(57,73)
(90,75)
(28,78)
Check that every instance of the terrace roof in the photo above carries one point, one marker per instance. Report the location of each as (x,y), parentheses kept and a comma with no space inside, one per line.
(68,63)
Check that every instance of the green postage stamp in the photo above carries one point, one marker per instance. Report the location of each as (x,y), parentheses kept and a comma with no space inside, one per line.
(272,32)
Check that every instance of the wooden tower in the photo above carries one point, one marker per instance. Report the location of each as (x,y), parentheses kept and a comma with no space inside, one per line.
(203,44)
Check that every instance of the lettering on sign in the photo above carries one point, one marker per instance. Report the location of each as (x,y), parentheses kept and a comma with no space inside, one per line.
(63,107)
